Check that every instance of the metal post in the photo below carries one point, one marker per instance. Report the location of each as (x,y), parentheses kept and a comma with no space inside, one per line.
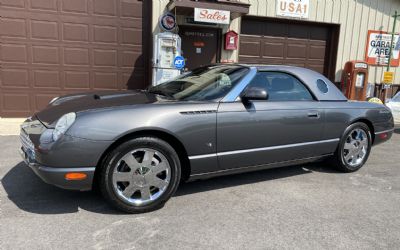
(391,41)
(390,53)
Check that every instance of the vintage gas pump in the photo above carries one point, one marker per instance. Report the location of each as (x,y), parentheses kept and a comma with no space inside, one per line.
(355,80)
(167,46)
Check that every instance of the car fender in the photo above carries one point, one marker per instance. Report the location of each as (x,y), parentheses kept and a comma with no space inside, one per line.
(193,124)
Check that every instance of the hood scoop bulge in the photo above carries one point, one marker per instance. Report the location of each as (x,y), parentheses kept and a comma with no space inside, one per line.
(112,96)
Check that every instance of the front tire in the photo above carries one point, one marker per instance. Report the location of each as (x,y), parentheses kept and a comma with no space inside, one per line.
(140,175)
(354,148)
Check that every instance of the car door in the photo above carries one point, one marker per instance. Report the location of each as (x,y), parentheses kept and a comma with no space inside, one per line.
(286,126)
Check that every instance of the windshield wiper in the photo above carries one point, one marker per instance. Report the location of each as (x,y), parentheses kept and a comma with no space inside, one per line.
(160,92)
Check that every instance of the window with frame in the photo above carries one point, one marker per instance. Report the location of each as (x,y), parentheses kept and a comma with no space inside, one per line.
(281,86)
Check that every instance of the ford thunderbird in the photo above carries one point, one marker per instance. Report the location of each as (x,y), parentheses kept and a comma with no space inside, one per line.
(136,146)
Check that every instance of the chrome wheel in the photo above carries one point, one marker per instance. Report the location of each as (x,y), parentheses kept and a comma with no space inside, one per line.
(141,176)
(355,147)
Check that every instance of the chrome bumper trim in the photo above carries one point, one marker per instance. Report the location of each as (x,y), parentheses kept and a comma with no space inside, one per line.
(385,131)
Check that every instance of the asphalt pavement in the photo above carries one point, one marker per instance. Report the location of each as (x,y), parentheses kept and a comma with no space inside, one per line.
(299,207)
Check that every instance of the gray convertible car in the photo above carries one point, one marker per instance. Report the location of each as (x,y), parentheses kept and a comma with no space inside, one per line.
(137,146)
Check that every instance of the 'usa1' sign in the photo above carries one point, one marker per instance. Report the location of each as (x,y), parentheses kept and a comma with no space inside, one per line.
(293,8)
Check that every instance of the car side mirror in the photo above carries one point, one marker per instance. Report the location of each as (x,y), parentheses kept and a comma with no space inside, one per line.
(254,93)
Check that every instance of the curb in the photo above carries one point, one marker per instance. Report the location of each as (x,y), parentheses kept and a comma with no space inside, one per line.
(10,126)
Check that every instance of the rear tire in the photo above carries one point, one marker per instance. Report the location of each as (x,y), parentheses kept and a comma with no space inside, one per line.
(140,175)
(354,148)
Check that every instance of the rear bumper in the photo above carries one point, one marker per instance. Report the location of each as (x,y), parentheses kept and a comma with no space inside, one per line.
(383,136)
(56,176)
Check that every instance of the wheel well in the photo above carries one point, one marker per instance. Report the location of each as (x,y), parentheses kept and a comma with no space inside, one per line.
(370,126)
(172,140)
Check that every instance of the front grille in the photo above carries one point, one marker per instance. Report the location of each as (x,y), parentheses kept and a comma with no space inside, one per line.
(27,144)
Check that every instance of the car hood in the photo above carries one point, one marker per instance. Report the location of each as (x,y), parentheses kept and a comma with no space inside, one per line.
(93,100)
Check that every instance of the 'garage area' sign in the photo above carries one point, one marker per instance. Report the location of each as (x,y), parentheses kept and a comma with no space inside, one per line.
(378,48)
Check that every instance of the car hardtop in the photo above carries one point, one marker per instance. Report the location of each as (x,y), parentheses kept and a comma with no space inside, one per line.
(308,77)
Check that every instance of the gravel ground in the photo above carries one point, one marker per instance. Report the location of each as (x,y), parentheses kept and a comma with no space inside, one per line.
(300,207)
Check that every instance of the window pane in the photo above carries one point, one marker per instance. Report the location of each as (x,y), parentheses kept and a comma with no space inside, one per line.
(322,86)
(281,87)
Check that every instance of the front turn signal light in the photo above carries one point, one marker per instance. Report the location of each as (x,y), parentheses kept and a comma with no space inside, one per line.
(75,176)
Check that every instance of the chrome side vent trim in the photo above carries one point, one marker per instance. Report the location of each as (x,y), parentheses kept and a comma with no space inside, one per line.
(199,112)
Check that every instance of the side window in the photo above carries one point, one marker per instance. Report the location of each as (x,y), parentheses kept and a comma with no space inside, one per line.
(281,86)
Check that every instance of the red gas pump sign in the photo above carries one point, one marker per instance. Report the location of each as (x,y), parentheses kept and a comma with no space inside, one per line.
(231,40)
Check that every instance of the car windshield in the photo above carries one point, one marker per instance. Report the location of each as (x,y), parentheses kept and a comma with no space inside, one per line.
(202,84)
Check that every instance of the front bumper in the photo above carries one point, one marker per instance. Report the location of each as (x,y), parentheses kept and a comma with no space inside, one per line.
(51,161)
(56,176)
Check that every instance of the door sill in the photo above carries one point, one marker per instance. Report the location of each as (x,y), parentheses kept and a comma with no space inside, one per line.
(256,167)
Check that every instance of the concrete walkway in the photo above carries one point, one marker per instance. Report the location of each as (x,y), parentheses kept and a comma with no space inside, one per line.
(10,126)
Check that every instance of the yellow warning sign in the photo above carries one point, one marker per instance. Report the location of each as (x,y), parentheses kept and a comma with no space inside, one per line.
(388,77)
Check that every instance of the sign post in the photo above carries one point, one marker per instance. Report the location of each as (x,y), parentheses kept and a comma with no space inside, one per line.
(386,75)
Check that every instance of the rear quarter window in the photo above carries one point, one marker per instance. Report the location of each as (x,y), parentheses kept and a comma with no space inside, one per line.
(322,86)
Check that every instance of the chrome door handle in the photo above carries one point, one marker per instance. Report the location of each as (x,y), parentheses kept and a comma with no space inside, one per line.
(313,114)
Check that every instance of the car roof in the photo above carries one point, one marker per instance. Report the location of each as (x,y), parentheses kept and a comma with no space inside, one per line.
(307,76)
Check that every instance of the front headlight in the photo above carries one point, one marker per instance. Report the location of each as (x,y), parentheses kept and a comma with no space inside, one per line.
(63,125)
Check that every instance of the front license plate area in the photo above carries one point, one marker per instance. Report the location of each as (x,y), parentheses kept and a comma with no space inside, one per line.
(27,147)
